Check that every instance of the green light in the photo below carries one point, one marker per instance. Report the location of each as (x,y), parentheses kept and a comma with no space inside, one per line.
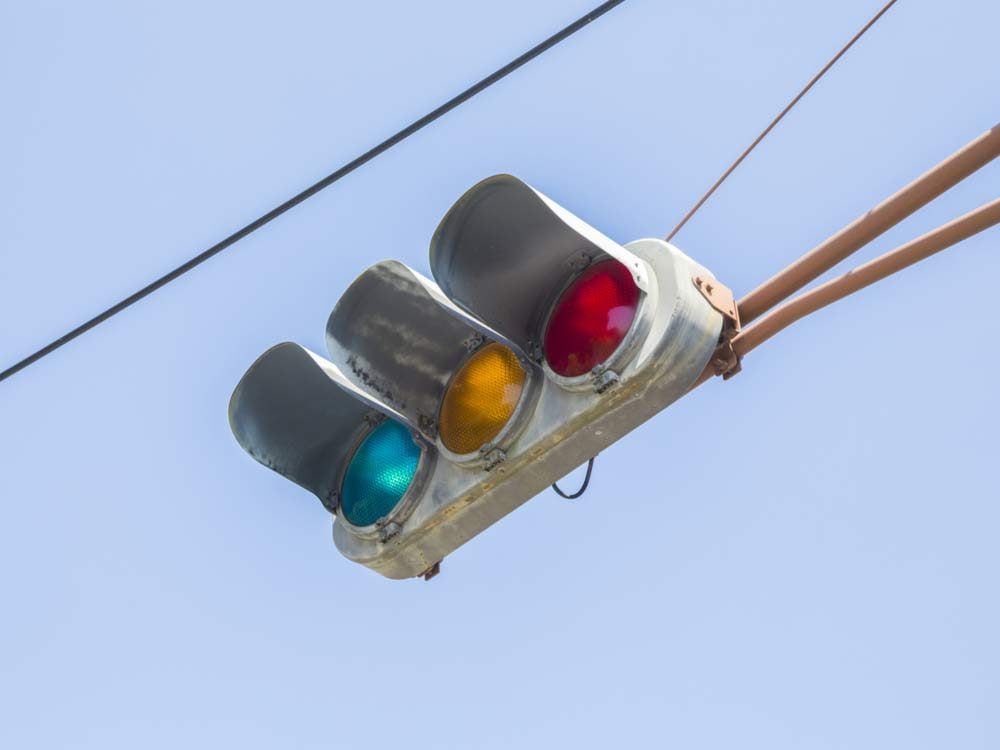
(379,474)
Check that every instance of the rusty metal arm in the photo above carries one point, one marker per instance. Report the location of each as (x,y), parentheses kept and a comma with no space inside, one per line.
(912,252)
(738,343)
(863,230)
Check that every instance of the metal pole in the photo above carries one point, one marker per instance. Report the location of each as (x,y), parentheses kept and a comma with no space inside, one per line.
(912,252)
(863,230)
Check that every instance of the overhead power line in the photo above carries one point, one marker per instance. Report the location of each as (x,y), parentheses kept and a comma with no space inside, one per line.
(310,191)
(776,120)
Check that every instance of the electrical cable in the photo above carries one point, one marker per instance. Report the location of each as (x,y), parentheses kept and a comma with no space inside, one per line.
(776,120)
(310,191)
(583,487)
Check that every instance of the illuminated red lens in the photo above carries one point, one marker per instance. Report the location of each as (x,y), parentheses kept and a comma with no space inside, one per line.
(591,318)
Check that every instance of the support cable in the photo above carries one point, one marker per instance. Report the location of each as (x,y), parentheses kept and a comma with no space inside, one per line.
(776,120)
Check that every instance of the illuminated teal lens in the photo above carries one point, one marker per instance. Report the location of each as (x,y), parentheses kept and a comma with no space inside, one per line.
(379,474)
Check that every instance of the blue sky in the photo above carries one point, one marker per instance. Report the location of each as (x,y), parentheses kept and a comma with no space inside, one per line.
(804,556)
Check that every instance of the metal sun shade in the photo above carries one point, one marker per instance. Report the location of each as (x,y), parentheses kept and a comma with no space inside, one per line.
(397,337)
(504,250)
(295,413)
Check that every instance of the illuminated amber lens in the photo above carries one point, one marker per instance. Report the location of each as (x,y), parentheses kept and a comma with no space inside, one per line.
(481,398)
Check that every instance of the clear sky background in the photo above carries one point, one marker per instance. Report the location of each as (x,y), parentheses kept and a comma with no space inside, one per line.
(803,557)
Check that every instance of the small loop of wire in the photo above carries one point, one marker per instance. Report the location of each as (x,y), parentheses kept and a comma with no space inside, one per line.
(583,487)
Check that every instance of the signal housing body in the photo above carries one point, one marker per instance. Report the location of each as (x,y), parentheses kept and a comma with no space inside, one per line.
(566,427)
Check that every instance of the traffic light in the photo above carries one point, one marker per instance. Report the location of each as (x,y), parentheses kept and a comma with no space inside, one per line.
(446,404)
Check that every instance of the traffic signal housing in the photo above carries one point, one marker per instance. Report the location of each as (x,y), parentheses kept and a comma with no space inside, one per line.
(446,404)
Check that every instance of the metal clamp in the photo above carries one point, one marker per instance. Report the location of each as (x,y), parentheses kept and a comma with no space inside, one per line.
(720,297)
(725,361)
(432,571)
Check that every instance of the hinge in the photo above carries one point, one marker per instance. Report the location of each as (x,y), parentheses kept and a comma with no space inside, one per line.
(387,529)
(427,425)
(579,261)
(492,456)
(534,351)
(603,378)
(474,341)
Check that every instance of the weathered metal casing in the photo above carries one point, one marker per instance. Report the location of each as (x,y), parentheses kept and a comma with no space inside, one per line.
(503,254)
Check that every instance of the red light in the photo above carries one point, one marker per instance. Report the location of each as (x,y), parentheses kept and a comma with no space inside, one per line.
(591,318)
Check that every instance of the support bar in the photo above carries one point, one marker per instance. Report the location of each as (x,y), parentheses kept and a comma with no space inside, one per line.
(866,228)
(912,252)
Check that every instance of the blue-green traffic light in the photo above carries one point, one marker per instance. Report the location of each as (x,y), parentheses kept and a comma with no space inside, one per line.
(379,474)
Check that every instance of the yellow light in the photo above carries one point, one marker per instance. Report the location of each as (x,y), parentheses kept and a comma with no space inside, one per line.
(480,399)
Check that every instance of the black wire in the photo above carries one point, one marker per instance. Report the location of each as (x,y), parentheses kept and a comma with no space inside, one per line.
(583,487)
(310,191)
